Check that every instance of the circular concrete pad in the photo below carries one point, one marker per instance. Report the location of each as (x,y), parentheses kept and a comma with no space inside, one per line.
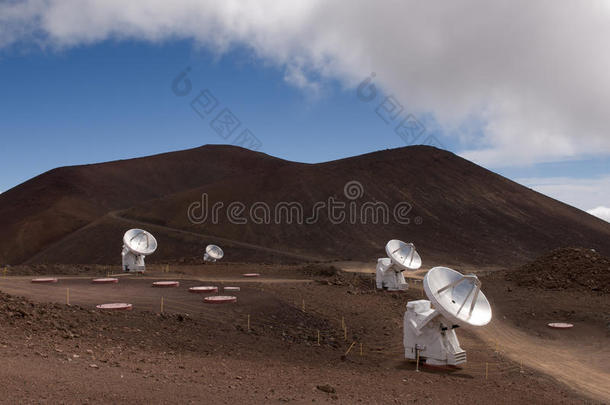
(118,306)
(220,299)
(166,284)
(105,280)
(203,289)
(44,280)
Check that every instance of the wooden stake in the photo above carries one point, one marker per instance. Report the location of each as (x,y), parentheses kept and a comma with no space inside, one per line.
(162,304)
(486,370)
(248,322)
(318,337)
(67,296)
(303,305)
(350,348)
(360,349)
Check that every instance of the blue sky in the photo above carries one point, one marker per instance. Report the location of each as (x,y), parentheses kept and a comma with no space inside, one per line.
(115,100)
(80,91)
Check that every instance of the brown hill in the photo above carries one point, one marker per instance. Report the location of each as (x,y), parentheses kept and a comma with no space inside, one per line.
(566,268)
(458,212)
(47,208)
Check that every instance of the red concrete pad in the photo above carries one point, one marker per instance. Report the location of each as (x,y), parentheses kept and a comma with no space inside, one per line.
(203,289)
(166,284)
(118,306)
(251,275)
(105,280)
(44,280)
(560,325)
(219,299)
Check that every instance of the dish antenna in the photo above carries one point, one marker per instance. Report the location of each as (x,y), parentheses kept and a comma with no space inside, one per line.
(213,253)
(137,244)
(401,256)
(429,332)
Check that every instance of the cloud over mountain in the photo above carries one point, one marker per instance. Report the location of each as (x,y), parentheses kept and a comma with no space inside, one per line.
(529,77)
(601,212)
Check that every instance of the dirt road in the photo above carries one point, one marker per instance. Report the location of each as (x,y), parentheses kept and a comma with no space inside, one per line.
(572,365)
(274,305)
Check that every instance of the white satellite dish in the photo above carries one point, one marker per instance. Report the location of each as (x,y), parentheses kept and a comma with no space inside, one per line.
(429,333)
(401,256)
(137,244)
(458,297)
(213,253)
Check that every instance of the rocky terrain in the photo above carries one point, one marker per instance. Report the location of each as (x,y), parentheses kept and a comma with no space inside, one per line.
(566,269)
(193,352)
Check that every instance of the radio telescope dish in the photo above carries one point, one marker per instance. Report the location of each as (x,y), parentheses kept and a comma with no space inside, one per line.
(137,244)
(403,255)
(140,242)
(458,297)
(213,253)
(429,326)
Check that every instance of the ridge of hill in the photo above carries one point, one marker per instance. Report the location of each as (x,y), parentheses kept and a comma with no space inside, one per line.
(453,210)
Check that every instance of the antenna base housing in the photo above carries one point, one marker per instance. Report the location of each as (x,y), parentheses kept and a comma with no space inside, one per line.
(387,278)
(132,263)
(427,331)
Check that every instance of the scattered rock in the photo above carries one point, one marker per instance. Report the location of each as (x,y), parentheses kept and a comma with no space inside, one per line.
(329,389)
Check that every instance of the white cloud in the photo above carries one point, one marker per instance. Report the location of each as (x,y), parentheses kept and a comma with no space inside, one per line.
(534,73)
(581,193)
(601,212)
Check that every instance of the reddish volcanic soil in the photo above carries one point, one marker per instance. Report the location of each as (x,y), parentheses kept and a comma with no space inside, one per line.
(197,352)
(461,215)
(566,269)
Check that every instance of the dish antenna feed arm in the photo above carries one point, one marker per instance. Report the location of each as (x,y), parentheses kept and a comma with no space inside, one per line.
(476,287)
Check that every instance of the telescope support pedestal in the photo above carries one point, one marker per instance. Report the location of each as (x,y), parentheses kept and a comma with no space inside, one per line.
(426,331)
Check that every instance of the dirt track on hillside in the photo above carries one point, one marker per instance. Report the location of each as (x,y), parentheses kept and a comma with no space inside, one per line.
(584,368)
